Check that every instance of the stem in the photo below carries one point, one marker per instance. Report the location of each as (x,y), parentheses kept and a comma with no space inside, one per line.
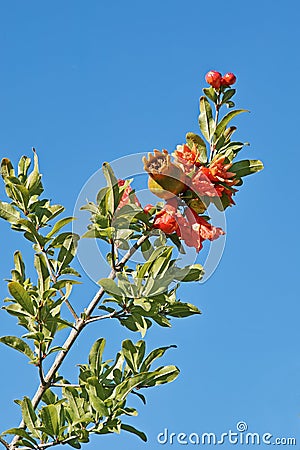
(74,333)
(218,106)
(3,442)
(54,280)
(114,259)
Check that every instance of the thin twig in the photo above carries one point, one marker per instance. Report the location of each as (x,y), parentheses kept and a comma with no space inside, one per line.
(51,444)
(40,366)
(62,385)
(218,106)
(3,441)
(74,333)
(54,280)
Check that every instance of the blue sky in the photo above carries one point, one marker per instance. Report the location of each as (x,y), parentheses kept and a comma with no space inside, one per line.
(85,82)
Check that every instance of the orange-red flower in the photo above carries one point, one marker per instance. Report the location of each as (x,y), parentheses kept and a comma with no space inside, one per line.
(202,185)
(186,155)
(195,229)
(126,198)
(192,229)
(165,220)
(215,180)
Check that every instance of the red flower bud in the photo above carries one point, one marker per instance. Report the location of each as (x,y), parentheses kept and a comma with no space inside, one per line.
(214,79)
(147,208)
(228,79)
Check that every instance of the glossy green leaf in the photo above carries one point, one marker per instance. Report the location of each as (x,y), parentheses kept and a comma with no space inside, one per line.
(67,251)
(40,265)
(19,265)
(7,169)
(95,355)
(194,272)
(157,353)
(20,432)
(192,138)
(228,94)
(21,296)
(206,121)
(59,225)
(130,354)
(50,419)
(180,309)
(23,167)
(246,167)
(33,182)
(29,416)
(211,94)
(111,288)
(162,375)
(225,121)
(133,430)
(9,213)
(28,226)
(18,344)
(98,405)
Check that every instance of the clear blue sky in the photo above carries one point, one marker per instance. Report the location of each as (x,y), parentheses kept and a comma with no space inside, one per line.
(89,81)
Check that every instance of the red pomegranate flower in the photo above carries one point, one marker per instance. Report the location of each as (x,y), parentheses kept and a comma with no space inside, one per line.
(186,155)
(165,219)
(125,200)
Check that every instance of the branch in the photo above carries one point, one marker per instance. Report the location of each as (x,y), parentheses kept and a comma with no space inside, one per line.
(74,333)
(3,441)
(50,444)
(62,385)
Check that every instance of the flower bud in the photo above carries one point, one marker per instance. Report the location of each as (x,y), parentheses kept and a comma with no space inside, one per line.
(228,79)
(166,179)
(214,79)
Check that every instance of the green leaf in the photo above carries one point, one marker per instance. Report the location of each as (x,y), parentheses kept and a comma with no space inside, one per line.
(7,169)
(194,272)
(227,95)
(95,355)
(157,353)
(42,271)
(180,309)
(20,432)
(111,288)
(246,167)
(28,226)
(9,213)
(206,121)
(133,430)
(50,419)
(58,225)
(23,167)
(130,354)
(67,251)
(33,182)
(29,416)
(19,265)
(211,94)
(21,296)
(162,375)
(225,121)
(113,196)
(18,344)
(98,405)
(192,138)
